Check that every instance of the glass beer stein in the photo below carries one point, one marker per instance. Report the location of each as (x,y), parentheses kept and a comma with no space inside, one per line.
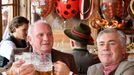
(43,64)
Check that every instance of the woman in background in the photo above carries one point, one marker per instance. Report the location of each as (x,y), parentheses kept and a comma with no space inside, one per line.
(16,41)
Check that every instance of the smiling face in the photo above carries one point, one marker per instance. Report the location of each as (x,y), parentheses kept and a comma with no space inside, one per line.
(110,49)
(42,38)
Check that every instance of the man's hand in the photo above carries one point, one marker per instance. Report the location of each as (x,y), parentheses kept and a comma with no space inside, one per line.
(61,68)
(21,68)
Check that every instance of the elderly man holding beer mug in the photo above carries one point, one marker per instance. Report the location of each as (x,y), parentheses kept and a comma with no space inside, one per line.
(40,36)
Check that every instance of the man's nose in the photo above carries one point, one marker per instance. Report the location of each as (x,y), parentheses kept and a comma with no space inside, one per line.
(45,37)
(106,46)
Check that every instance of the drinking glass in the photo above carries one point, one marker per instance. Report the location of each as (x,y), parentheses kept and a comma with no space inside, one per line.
(43,64)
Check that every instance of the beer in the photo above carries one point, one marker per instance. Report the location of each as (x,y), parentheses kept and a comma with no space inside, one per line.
(44,73)
(43,64)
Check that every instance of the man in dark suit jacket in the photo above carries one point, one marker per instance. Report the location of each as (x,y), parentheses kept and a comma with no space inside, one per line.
(40,37)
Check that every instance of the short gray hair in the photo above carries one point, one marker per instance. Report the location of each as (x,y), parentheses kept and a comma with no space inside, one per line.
(112,30)
(30,30)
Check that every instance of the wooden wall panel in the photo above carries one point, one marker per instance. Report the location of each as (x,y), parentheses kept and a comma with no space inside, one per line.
(0,22)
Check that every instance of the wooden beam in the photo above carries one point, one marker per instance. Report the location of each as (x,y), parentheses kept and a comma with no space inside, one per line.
(0,21)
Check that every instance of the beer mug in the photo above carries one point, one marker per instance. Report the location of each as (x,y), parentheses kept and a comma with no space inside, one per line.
(43,64)
(26,56)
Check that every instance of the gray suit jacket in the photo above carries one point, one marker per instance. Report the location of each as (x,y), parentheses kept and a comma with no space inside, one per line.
(124,68)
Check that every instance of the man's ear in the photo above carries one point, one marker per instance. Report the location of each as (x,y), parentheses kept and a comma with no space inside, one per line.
(72,43)
(124,52)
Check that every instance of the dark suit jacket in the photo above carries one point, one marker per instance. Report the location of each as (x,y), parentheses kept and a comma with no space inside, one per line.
(83,60)
(68,59)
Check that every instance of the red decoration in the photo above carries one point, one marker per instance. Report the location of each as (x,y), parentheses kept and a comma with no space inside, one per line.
(42,7)
(113,9)
(67,8)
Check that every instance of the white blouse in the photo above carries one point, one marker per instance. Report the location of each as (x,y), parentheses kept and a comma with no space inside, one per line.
(6,48)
